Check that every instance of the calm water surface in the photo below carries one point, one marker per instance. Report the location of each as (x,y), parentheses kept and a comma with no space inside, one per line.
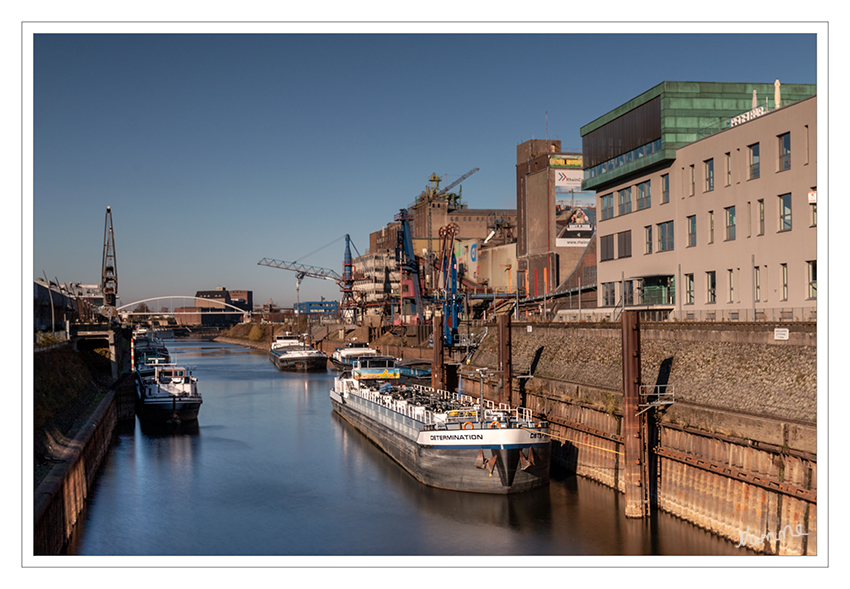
(270,470)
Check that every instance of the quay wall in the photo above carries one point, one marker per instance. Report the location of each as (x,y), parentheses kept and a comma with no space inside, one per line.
(61,496)
(244,342)
(736,454)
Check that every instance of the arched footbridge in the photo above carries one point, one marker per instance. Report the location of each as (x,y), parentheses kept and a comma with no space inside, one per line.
(177,305)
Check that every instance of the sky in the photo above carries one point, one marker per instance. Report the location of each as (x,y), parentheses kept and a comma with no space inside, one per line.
(217,150)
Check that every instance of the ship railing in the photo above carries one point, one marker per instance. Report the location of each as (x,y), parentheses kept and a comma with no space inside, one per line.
(523,413)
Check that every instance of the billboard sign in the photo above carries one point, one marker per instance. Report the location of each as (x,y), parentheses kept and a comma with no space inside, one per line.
(568,178)
(565,161)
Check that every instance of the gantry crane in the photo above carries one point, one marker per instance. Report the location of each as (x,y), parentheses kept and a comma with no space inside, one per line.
(348,304)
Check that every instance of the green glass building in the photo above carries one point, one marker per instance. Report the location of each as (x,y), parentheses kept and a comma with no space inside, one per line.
(646,131)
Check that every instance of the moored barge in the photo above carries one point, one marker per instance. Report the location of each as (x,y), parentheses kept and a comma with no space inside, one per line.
(443,439)
(289,353)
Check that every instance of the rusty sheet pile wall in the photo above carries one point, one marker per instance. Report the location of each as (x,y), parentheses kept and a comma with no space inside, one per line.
(736,453)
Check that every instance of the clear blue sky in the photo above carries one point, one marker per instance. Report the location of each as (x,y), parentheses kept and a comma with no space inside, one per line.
(215,151)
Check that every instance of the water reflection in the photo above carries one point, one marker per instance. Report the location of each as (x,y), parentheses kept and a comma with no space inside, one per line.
(269,469)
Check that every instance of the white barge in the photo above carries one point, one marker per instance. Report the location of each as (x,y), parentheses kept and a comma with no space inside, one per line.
(343,358)
(167,393)
(290,353)
(443,439)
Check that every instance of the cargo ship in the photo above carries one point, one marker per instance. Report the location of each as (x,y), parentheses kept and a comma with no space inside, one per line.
(443,439)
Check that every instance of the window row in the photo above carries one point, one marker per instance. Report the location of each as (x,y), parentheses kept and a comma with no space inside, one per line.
(642,194)
(759,284)
(659,237)
(661,290)
(642,190)
(622,160)
(753,169)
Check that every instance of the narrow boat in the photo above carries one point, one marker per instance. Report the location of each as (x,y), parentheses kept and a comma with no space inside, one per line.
(167,393)
(342,358)
(288,352)
(443,439)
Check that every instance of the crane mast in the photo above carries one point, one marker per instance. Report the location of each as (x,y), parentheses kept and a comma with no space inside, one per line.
(109,269)
(348,304)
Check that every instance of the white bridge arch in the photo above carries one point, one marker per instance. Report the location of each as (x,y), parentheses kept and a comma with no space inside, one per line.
(221,308)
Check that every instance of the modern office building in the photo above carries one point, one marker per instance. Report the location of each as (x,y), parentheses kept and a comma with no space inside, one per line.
(707,202)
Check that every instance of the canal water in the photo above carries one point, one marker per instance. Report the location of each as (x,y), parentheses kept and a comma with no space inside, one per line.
(270,470)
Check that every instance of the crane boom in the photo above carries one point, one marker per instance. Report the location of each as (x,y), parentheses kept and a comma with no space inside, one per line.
(458,181)
(313,271)
(345,282)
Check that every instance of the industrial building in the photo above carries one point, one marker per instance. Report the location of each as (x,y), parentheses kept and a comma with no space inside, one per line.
(378,281)
(556,225)
(213,311)
(707,201)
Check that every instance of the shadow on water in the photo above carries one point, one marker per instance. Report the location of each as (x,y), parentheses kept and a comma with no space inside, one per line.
(162,430)
(571,516)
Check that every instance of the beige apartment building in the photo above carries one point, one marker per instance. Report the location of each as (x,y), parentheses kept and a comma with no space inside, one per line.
(723,227)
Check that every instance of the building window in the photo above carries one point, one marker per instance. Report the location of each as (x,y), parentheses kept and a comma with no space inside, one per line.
(624,244)
(813,279)
(709,175)
(785,152)
(625,200)
(757,281)
(647,232)
(754,161)
(761,216)
(728,168)
(689,289)
(710,287)
(665,236)
(644,198)
(730,223)
(710,226)
(607,206)
(628,293)
(749,219)
(608,294)
(784,281)
(606,247)
(692,231)
(730,274)
(691,192)
(665,188)
(785,212)
(814,207)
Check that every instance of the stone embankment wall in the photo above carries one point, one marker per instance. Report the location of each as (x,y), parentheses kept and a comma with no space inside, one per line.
(735,454)
(61,496)
(244,342)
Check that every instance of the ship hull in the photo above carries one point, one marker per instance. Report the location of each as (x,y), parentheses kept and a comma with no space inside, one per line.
(477,461)
(174,410)
(290,363)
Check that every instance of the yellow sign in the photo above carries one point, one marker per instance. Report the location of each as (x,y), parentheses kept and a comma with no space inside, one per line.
(565,161)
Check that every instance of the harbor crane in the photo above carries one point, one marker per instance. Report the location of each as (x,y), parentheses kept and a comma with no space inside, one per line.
(348,305)
(109,269)
(432,192)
